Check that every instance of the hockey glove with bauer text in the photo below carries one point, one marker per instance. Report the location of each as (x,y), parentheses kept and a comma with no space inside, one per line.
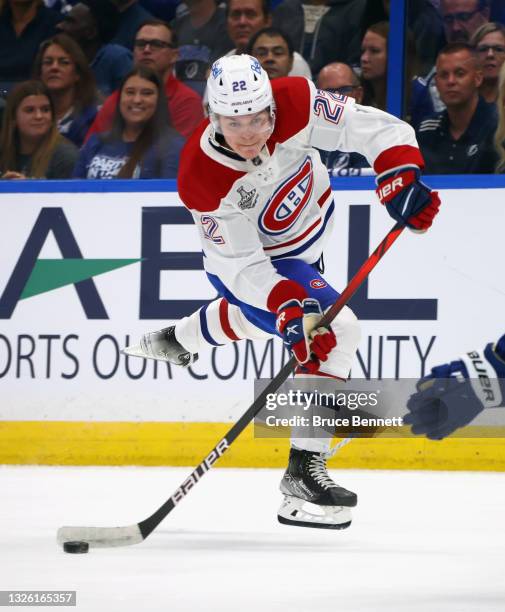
(455,393)
(296,322)
(407,198)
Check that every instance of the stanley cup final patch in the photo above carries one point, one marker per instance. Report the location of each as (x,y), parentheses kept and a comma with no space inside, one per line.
(248,199)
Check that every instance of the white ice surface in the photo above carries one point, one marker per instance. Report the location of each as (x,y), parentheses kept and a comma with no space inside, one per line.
(420,541)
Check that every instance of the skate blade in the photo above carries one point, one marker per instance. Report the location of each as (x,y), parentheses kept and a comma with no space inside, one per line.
(293,511)
(335,526)
(136,351)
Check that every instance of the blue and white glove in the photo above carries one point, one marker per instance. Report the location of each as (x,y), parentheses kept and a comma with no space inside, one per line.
(455,393)
(407,198)
(297,324)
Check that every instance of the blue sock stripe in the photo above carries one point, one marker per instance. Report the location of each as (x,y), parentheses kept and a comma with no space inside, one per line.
(205,327)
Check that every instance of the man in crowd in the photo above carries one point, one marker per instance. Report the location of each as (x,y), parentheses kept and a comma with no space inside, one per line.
(274,50)
(339,78)
(155,47)
(461,19)
(109,62)
(24,24)
(244,19)
(460,138)
(202,38)
(323,31)
(131,17)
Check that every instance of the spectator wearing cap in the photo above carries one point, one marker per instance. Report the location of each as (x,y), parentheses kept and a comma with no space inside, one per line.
(341,80)
(155,47)
(459,140)
(245,18)
(109,62)
(63,68)
(489,43)
(131,16)
(461,19)
(24,24)
(203,38)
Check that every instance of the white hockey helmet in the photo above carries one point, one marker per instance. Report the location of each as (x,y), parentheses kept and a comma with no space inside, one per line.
(238,85)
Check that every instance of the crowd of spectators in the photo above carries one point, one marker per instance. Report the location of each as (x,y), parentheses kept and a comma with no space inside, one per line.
(110,89)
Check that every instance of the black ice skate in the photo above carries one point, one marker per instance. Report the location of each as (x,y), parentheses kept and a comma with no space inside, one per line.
(307,480)
(164,346)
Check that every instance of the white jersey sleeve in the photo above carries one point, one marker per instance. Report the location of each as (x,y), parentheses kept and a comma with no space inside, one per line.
(339,124)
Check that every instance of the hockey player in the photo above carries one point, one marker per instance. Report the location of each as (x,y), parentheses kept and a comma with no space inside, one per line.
(456,392)
(262,202)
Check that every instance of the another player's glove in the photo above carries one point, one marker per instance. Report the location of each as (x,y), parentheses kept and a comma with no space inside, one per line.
(406,198)
(455,393)
(296,322)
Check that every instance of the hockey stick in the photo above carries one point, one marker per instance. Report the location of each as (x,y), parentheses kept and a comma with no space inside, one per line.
(133,534)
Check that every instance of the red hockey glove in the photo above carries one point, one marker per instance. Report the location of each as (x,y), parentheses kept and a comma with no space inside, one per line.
(406,198)
(296,322)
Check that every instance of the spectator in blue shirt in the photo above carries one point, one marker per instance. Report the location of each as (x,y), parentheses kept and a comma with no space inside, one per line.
(459,140)
(131,16)
(109,62)
(62,66)
(142,143)
(461,19)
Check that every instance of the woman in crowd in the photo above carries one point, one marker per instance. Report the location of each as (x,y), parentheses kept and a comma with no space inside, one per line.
(374,59)
(30,144)
(489,43)
(141,143)
(62,66)
(499,138)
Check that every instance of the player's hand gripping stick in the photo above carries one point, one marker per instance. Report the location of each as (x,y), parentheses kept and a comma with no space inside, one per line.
(297,323)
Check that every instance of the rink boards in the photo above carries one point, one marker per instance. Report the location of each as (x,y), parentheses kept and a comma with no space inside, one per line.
(86,268)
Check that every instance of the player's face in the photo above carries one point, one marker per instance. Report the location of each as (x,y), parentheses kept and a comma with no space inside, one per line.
(457,78)
(273,55)
(245,18)
(248,134)
(58,71)
(153,47)
(138,100)
(462,18)
(34,117)
(491,53)
(373,56)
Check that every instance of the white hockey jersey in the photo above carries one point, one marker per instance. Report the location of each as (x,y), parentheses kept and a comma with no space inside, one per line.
(279,205)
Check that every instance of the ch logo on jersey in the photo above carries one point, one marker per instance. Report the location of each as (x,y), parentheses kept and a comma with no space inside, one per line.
(210,227)
(287,203)
(317,283)
(329,105)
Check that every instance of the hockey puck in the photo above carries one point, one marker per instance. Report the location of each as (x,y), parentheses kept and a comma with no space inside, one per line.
(76,547)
